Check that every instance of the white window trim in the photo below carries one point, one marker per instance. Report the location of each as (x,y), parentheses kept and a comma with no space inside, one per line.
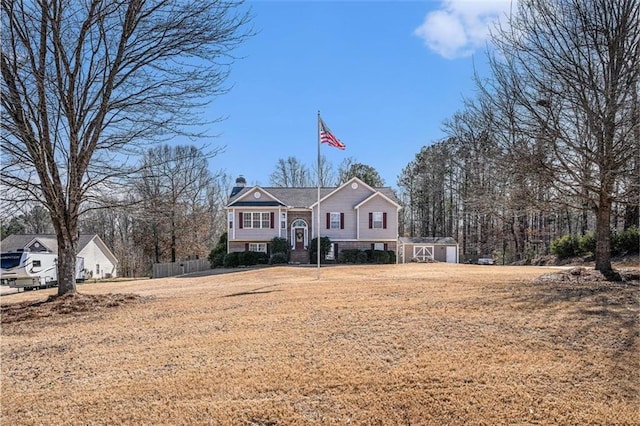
(379,222)
(260,220)
(259,247)
(331,220)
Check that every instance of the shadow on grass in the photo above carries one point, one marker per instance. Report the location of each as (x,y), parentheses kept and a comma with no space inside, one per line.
(258,290)
(596,314)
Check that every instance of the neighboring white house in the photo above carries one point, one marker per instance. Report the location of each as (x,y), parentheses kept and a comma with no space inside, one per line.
(353,215)
(99,261)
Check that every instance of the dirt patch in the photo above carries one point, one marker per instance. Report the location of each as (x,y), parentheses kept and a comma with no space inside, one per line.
(581,274)
(71,304)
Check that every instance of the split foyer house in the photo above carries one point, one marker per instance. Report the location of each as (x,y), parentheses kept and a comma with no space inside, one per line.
(353,215)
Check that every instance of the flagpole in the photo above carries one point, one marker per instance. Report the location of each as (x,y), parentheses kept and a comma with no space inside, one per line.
(318,216)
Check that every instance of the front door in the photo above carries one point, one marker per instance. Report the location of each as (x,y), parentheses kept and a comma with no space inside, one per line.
(299,238)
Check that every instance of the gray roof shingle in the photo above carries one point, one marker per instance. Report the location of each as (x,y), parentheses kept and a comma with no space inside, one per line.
(19,241)
(303,197)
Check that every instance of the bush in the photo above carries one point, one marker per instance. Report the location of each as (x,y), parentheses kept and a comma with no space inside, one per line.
(348,256)
(380,257)
(250,258)
(216,257)
(392,256)
(627,241)
(587,244)
(280,245)
(231,260)
(278,259)
(361,257)
(566,246)
(325,246)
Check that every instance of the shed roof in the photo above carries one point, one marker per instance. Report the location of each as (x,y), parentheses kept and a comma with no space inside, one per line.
(449,241)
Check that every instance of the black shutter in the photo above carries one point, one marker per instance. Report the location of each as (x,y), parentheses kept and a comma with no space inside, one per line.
(370,220)
(384,220)
(241,222)
(341,220)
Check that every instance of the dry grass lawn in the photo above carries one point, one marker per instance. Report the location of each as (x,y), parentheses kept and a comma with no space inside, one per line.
(399,344)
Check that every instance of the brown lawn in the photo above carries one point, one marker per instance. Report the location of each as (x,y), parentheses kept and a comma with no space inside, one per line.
(408,344)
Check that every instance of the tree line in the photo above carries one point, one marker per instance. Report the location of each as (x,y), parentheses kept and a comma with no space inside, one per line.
(549,146)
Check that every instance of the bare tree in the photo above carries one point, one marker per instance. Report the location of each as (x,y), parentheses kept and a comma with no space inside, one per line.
(84,83)
(327,173)
(571,69)
(290,173)
(174,186)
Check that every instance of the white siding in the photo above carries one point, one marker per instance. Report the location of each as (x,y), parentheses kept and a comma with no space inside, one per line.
(93,256)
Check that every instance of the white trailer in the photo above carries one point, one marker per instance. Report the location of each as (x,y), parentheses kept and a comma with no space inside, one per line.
(33,270)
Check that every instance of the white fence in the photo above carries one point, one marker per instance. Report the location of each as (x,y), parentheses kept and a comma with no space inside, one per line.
(163,270)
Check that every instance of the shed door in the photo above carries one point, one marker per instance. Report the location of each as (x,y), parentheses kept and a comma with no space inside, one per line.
(422,253)
(452,252)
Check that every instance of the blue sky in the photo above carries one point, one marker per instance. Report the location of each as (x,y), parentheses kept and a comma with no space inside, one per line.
(383,74)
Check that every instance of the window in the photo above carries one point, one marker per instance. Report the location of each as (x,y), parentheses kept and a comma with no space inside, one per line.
(335,220)
(97,269)
(378,246)
(230,219)
(261,247)
(256,220)
(377,220)
(36,264)
(283,221)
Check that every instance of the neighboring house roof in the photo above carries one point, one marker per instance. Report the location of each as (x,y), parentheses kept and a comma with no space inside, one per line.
(20,241)
(428,240)
(297,197)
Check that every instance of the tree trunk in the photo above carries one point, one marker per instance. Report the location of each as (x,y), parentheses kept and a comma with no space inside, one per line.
(603,234)
(67,246)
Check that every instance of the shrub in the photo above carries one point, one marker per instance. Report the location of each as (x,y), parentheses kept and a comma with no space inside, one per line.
(280,245)
(565,246)
(231,260)
(348,256)
(250,258)
(325,246)
(380,257)
(216,257)
(627,241)
(361,257)
(278,259)
(392,256)
(587,244)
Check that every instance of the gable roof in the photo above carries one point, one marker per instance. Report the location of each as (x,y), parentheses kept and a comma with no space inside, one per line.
(17,242)
(374,195)
(428,240)
(298,197)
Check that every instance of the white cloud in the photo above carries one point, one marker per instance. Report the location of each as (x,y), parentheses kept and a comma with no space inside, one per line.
(459,27)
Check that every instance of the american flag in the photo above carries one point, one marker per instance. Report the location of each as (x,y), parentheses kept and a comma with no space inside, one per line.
(327,137)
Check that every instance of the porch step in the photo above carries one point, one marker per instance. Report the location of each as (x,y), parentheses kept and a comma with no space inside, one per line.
(299,256)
